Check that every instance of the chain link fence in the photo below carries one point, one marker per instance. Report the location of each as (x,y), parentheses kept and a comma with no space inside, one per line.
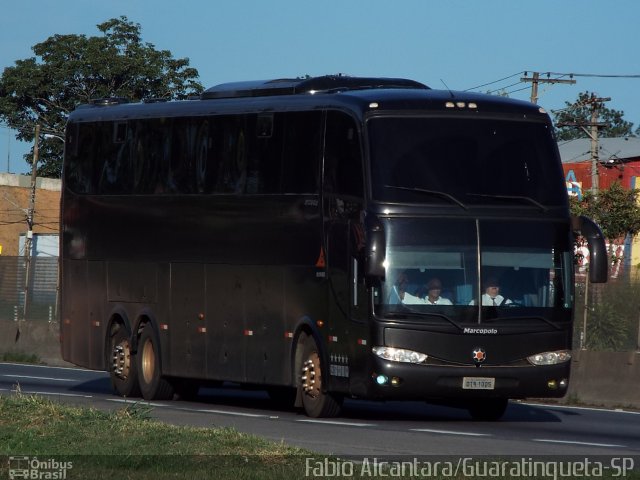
(41,293)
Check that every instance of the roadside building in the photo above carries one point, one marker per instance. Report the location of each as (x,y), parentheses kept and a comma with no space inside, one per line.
(41,291)
(618,161)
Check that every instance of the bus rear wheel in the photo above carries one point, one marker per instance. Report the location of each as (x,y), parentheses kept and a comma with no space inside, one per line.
(122,364)
(315,401)
(488,410)
(152,385)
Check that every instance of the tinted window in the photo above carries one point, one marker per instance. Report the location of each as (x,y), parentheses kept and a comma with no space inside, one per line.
(474,160)
(226,154)
(302,152)
(342,160)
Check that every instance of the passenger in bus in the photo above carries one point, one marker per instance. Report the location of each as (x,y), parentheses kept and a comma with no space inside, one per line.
(434,288)
(491,296)
(400,294)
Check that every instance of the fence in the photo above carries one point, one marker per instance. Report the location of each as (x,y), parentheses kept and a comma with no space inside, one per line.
(42,291)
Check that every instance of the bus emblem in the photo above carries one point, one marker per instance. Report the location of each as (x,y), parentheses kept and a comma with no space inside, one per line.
(479,355)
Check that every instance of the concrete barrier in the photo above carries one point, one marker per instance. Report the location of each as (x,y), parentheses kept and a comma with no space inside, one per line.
(608,379)
(41,338)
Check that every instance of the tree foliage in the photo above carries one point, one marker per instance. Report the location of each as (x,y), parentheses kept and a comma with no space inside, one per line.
(68,70)
(615,209)
(580,112)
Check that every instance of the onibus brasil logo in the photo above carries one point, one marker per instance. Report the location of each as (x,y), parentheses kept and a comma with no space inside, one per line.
(34,468)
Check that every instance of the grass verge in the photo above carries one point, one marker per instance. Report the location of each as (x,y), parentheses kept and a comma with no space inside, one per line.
(20,357)
(128,444)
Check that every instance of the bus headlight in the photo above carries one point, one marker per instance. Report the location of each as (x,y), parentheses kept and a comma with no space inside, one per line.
(400,355)
(550,358)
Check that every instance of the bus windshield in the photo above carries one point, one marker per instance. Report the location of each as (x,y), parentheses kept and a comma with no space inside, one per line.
(433,274)
(464,161)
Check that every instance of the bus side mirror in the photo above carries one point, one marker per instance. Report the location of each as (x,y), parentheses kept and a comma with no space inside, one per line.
(598,262)
(375,249)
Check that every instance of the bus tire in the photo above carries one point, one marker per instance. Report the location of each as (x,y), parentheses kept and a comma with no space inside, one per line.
(152,385)
(488,410)
(315,401)
(123,370)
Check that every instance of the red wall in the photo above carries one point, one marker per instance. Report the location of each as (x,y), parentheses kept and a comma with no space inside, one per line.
(628,174)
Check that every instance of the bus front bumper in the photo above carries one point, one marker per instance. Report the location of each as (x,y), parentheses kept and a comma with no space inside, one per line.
(395,380)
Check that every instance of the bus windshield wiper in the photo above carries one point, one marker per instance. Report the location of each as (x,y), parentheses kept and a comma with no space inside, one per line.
(511,197)
(411,313)
(430,192)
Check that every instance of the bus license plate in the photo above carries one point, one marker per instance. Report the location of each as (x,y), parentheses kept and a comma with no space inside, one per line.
(478,383)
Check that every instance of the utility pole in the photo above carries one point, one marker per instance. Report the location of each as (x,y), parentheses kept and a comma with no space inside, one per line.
(30,211)
(536,80)
(592,133)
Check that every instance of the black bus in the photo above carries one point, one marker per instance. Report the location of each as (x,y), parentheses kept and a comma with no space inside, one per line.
(321,238)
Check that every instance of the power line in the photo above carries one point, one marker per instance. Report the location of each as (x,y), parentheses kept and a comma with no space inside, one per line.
(504,88)
(594,75)
(496,81)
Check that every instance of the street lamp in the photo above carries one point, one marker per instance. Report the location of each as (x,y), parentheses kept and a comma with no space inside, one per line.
(53,135)
(30,211)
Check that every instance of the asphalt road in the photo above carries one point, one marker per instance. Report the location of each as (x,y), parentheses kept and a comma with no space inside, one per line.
(365,429)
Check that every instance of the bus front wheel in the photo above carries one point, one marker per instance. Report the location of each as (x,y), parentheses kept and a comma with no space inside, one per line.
(316,401)
(152,385)
(122,364)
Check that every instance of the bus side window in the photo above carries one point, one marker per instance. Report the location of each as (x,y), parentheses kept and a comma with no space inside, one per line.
(263,152)
(342,160)
(180,178)
(301,154)
(78,171)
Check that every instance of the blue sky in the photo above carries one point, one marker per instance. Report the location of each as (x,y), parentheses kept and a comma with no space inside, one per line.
(461,43)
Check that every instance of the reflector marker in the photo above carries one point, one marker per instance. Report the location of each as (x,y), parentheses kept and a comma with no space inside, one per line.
(320,263)
(164,326)
(288,334)
(333,339)
(96,323)
(248,333)
(202,329)
(362,341)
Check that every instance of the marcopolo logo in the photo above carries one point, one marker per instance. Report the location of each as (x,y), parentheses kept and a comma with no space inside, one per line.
(33,468)
(481,331)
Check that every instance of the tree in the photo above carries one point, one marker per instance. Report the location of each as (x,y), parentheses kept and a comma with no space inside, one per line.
(580,112)
(73,69)
(614,209)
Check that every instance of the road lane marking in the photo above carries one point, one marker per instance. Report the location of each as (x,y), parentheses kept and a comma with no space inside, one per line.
(450,432)
(572,442)
(55,394)
(135,402)
(41,378)
(334,422)
(51,366)
(226,412)
(570,407)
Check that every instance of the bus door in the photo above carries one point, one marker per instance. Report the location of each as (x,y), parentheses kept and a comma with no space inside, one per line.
(343,229)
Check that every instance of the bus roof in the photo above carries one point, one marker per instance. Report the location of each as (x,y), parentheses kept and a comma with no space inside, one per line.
(286,86)
(357,94)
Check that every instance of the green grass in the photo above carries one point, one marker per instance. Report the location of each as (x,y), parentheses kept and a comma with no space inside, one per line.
(20,357)
(128,444)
